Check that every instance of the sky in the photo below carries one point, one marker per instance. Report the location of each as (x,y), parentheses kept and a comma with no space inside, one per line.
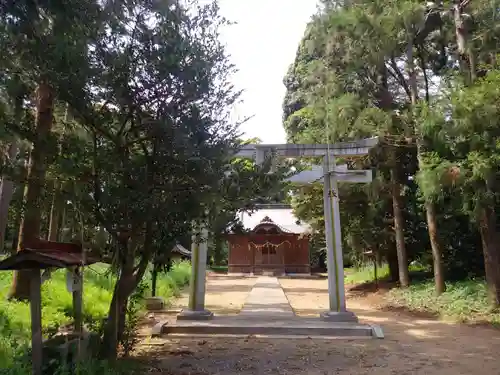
(262,45)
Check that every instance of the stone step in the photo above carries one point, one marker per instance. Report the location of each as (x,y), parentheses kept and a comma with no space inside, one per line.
(265,336)
(267,300)
(293,327)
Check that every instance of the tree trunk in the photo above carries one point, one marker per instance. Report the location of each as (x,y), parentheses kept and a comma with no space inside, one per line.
(6,193)
(154,277)
(396,258)
(55,213)
(461,36)
(122,320)
(111,329)
(399,225)
(392,261)
(491,253)
(125,285)
(29,230)
(19,213)
(218,250)
(437,254)
(466,53)
(378,256)
(431,215)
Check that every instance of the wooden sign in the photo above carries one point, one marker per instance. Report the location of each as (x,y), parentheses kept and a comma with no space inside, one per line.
(73,280)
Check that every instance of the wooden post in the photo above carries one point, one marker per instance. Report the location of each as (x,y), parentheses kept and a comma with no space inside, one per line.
(36,321)
(78,302)
(154,276)
(77,309)
(372,256)
(252,254)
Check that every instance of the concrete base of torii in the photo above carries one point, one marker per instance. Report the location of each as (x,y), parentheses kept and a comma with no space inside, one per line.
(339,317)
(195,315)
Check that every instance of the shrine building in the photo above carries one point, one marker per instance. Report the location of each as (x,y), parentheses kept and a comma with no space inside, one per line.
(275,243)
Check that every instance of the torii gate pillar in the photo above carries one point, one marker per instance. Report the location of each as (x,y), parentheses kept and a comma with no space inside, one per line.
(330,174)
(199,248)
(334,256)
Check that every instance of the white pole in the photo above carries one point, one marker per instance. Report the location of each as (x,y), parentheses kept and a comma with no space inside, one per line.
(202,270)
(335,264)
(196,307)
(339,258)
(330,241)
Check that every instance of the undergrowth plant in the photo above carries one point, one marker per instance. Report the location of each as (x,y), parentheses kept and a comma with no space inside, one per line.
(132,317)
(15,331)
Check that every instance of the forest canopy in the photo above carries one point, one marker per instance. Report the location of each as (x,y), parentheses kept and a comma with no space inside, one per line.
(422,76)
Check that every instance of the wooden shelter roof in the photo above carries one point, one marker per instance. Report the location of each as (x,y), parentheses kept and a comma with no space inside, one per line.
(179,249)
(47,254)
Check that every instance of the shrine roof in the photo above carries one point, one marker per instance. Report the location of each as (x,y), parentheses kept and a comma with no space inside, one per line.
(282,216)
(179,249)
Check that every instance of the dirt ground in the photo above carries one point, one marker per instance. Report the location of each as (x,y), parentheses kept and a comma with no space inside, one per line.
(224,294)
(412,345)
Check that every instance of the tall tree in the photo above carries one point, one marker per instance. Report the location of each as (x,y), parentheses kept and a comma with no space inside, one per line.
(47,40)
(370,68)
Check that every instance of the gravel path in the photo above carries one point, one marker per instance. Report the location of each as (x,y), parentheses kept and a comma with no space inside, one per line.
(412,345)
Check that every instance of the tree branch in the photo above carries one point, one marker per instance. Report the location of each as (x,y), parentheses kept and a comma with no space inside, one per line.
(396,73)
(463,5)
(420,52)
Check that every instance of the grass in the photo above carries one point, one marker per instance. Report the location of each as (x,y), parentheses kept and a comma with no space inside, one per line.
(464,301)
(57,304)
(364,274)
(219,269)
(169,285)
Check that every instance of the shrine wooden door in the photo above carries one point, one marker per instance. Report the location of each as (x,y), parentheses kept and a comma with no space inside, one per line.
(268,255)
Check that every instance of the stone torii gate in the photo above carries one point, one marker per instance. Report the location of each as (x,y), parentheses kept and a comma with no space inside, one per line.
(330,174)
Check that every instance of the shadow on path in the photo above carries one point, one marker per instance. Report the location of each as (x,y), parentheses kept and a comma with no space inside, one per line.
(413,346)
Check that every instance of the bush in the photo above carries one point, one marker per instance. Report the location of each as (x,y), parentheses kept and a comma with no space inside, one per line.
(364,274)
(463,301)
(15,328)
(94,367)
(169,284)
(132,317)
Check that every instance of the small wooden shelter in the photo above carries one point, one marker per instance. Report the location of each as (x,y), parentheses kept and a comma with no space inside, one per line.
(47,255)
(179,252)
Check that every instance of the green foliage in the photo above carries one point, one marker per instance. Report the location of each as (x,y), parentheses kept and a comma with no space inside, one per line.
(365,274)
(170,284)
(129,337)
(95,367)
(56,311)
(439,144)
(463,301)
(57,307)
(140,138)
